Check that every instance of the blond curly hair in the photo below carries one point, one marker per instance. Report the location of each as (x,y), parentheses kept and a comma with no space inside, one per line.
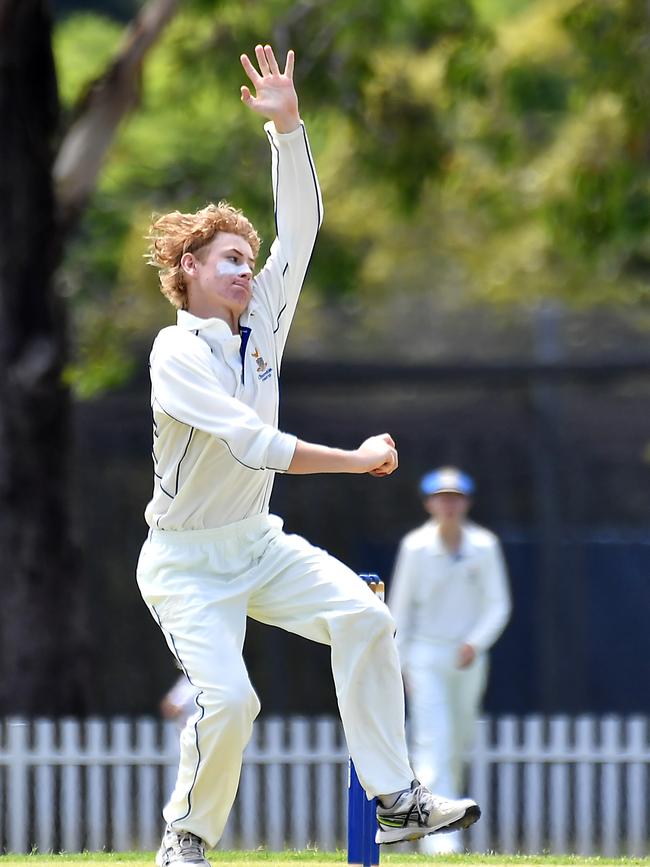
(175,234)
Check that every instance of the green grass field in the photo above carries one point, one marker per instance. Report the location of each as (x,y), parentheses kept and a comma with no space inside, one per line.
(316,859)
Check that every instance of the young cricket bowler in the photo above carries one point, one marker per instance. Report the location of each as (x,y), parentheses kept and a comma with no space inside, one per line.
(214,554)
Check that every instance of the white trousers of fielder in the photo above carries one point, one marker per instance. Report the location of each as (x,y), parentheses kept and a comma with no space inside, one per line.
(199,586)
(444,704)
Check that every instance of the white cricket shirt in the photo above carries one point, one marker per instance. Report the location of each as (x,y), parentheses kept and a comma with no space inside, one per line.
(214,395)
(445,599)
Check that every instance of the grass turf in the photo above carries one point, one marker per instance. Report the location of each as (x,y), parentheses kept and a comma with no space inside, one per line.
(316,859)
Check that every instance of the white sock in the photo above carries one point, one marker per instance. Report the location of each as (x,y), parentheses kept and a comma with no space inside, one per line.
(390,800)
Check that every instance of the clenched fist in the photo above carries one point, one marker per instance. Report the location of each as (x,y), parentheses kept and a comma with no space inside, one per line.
(378,455)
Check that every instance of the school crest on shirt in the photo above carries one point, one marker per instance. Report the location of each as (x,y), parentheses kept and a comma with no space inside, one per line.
(263,369)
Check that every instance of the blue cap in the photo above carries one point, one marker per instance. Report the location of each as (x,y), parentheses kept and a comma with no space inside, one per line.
(446,480)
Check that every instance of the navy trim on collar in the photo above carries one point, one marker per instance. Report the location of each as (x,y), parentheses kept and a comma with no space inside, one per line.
(245,333)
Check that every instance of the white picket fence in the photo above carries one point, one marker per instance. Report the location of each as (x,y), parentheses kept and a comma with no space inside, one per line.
(559,784)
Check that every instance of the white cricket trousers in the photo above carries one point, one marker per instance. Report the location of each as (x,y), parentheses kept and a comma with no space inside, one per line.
(444,704)
(199,586)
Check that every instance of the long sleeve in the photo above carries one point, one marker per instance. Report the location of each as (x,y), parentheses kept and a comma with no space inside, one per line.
(496,604)
(401,597)
(187,389)
(298,216)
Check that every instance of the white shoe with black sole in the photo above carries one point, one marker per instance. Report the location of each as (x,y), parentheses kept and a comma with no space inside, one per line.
(418,812)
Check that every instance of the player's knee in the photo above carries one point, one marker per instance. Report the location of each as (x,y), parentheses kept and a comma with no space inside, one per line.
(235,703)
(373,621)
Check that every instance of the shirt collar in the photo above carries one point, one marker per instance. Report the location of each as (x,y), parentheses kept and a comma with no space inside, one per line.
(438,547)
(213,327)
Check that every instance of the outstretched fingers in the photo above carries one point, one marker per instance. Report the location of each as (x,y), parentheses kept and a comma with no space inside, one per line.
(288,66)
(270,57)
(250,70)
(272,93)
(262,60)
(267,63)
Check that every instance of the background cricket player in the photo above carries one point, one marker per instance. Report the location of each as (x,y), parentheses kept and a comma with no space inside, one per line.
(450,601)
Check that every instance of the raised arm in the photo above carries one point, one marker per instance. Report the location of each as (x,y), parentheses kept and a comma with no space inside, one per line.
(297,198)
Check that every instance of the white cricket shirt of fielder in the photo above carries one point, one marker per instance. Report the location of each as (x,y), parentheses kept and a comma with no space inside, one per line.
(443,599)
(214,394)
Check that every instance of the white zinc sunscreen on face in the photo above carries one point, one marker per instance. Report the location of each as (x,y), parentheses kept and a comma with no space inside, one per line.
(233,269)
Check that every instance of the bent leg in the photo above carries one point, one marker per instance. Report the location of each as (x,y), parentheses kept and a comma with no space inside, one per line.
(310,593)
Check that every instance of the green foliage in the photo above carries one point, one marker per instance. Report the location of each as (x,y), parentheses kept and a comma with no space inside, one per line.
(83,46)
(420,23)
(495,10)
(465,73)
(607,205)
(402,137)
(613,39)
(531,87)
(502,145)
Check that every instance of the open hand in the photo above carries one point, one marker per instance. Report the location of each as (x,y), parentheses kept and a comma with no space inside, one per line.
(275,95)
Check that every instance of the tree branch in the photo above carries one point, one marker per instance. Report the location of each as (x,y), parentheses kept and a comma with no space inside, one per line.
(106,102)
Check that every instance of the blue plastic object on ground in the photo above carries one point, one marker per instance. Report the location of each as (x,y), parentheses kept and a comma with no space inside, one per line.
(362,813)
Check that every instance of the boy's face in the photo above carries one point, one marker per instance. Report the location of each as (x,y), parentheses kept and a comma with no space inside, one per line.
(220,275)
(447,507)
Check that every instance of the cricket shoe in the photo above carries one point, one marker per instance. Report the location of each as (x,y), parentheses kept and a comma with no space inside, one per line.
(417,812)
(181,847)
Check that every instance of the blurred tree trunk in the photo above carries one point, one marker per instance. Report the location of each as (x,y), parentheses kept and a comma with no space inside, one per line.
(45,643)
(41,616)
